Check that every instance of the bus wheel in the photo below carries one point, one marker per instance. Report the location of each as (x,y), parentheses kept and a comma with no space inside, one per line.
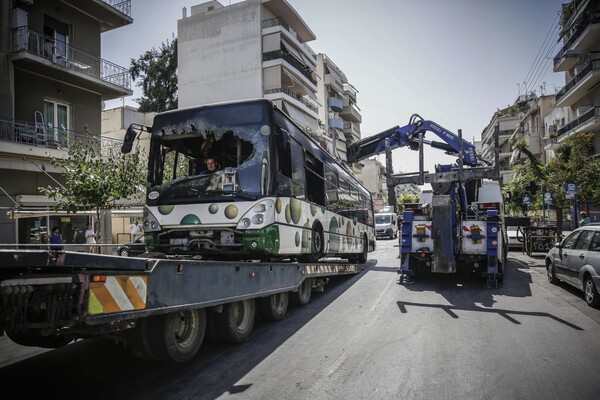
(234,324)
(316,246)
(174,337)
(302,296)
(362,257)
(274,307)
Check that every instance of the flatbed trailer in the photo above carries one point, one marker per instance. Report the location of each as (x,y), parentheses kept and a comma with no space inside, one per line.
(161,308)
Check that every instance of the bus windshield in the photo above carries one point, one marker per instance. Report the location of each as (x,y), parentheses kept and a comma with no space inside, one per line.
(183,141)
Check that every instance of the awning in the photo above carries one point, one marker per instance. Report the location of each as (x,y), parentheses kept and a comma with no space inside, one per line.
(305,88)
(292,50)
(301,117)
(30,212)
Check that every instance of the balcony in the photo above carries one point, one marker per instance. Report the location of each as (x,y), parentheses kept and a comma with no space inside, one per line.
(298,66)
(269,23)
(60,61)
(352,131)
(579,86)
(589,121)
(586,35)
(335,104)
(335,123)
(112,14)
(351,112)
(350,92)
(294,96)
(46,138)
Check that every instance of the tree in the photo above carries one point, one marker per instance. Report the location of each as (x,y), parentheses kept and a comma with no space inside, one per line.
(94,181)
(158,72)
(405,198)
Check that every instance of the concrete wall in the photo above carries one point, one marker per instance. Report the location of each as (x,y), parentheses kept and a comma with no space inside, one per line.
(219,55)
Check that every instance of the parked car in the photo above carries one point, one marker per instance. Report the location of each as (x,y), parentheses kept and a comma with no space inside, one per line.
(576,261)
(131,249)
(514,234)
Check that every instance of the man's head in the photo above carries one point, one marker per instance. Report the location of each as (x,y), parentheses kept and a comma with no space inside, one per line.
(582,214)
(211,164)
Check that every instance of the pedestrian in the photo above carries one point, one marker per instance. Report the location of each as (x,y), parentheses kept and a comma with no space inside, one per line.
(90,238)
(56,239)
(211,166)
(583,218)
(136,230)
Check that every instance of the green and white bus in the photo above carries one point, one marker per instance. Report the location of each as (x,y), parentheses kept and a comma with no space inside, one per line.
(276,194)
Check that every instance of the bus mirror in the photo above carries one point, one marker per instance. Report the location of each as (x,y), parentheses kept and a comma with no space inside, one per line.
(128,140)
(283,139)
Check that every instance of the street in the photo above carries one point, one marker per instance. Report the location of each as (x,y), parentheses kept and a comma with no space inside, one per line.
(364,337)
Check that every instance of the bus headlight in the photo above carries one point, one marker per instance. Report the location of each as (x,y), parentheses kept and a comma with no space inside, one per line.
(150,222)
(259,216)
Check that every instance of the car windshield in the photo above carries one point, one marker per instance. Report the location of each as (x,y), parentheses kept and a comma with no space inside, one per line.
(383,219)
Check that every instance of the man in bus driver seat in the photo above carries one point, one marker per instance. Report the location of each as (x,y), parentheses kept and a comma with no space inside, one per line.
(211,166)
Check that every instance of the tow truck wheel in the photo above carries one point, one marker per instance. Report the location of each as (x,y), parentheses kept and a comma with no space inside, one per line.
(234,324)
(274,307)
(174,337)
(302,296)
(37,340)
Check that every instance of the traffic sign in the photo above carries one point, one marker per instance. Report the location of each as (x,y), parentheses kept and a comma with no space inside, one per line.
(548,198)
(570,191)
(527,200)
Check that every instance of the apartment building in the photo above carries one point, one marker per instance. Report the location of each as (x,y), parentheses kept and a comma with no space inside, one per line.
(373,176)
(251,49)
(339,114)
(52,84)
(507,120)
(579,59)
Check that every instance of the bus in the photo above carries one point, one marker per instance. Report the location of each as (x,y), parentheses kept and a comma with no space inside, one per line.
(276,194)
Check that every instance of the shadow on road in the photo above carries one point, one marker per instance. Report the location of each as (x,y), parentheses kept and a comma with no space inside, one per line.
(97,368)
(449,309)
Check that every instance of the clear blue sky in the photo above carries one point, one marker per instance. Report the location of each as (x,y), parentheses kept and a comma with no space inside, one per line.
(454,62)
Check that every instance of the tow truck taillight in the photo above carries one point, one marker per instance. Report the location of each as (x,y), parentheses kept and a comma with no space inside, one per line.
(412,207)
(489,206)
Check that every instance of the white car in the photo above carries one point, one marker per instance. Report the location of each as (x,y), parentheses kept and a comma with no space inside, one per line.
(514,234)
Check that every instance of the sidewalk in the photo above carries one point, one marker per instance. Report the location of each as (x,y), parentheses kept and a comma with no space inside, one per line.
(535,260)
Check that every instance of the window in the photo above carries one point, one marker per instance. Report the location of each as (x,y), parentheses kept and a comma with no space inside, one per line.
(56,40)
(584,240)
(56,120)
(570,241)
(595,245)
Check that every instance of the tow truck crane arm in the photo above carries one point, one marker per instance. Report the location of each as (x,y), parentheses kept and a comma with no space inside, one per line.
(408,135)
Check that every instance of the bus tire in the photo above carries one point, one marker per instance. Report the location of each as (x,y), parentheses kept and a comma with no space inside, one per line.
(362,257)
(273,307)
(302,296)
(234,324)
(177,336)
(316,246)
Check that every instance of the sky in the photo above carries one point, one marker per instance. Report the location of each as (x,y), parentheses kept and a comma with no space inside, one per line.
(454,62)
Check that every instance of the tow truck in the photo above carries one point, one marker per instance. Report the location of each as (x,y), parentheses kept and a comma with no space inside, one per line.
(463,223)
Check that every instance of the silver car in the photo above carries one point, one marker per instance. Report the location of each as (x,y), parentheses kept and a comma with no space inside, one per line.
(576,261)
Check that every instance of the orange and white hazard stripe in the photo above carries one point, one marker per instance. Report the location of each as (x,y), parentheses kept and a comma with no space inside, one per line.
(117,293)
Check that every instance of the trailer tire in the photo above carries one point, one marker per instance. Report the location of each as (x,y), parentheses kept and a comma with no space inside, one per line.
(175,337)
(273,307)
(37,340)
(234,324)
(302,296)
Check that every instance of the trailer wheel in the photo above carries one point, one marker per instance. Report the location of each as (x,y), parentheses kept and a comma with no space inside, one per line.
(274,307)
(302,297)
(175,337)
(34,339)
(234,324)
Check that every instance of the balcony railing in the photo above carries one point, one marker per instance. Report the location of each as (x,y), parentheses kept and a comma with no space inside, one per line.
(64,54)
(592,113)
(303,69)
(578,78)
(582,27)
(57,138)
(269,23)
(124,6)
(293,95)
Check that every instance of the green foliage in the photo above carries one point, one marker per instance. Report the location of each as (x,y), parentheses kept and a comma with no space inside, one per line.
(158,72)
(405,198)
(94,181)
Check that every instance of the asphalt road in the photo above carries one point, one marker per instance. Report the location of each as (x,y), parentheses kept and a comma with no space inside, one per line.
(365,337)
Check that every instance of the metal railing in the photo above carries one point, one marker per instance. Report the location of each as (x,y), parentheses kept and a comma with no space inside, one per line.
(124,6)
(57,138)
(592,65)
(293,95)
(61,53)
(303,69)
(592,113)
(269,23)
(582,27)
